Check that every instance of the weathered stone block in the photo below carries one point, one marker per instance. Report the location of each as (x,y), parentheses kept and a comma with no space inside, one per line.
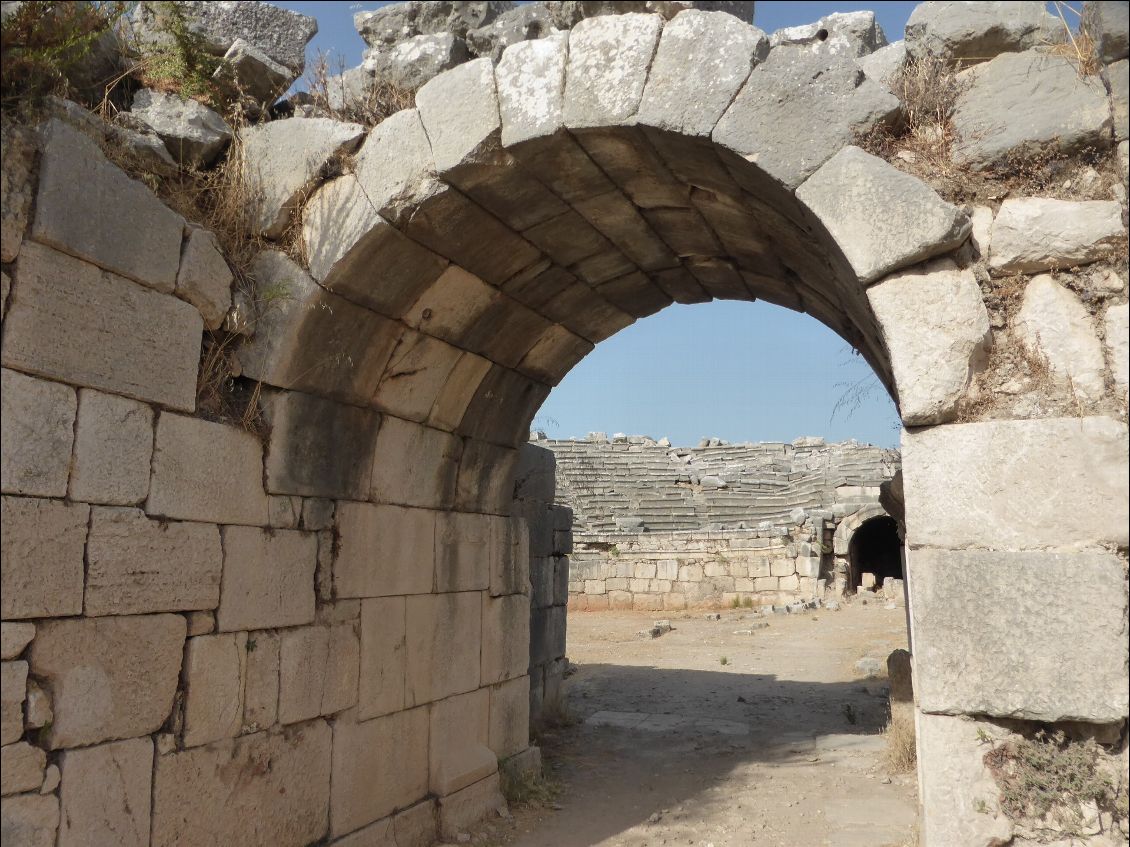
(510,717)
(204,278)
(268,578)
(14,693)
(285,804)
(110,678)
(414,465)
(547,635)
(1116,324)
(194,134)
(463,809)
(137,565)
(457,744)
(318,447)
(189,456)
(261,689)
(14,637)
(444,636)
(22,769)
(531,88)
(38,431)
(215,675)
(19,145)
(1055,325)
(105,794)
(416,374)
(506,637)
(976,32)
(1029,656)
(463,551)
(112,334)
(115,222)
(30,820)
(889,219)
(383,656)
(113,450)
(607,68)
(384,550)
(378,766)
(1033,234)
(317,671)
(936,328)
(42,553)
(961,483)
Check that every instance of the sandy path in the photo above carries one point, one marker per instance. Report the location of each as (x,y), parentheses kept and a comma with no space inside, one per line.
(778,746)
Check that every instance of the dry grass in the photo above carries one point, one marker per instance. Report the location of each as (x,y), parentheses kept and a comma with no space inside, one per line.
(901,755)
(330,97)
(1079,47)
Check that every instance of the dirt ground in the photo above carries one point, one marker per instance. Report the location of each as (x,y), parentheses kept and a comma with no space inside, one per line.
(709,736)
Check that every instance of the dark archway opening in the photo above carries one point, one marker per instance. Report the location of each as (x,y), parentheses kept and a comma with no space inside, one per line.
(875,549)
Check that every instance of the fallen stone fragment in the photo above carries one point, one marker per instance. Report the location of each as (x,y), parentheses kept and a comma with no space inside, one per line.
(411,63)
(1032,234)
(194,134)
(851,34)
(977,32)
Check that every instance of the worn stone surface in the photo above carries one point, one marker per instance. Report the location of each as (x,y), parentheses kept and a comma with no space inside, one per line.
(113,449)
(1021,103)
(607,67)
(42,554)
(268,578)
(12,702)
(1032,234)
(1029,657)
(977,32)
(22,768)
(381,686)
(444,633)
(137,565)
(105,794)
(881,218)
(19,145)
(457,745)
(378,766)
(411,63)
(139,238)
(39,420)
(464,808)
(193,134)
(113,334)
(284,804)
(30,819)
(506,637)
(1116,325)
(961,482)
(936,328)
(261,688)
(849,34)
(528,21)
(424,469)
(284,160)
(510,717)
(110,678)
(397,22)
(1105,21)
(1117,79)
(318,669)
(798,109)
(205,279)
(14,637)
(215,673)
(884,63)
(687,91)
(384,550)
(1055,324)
(531,88)
(189,454)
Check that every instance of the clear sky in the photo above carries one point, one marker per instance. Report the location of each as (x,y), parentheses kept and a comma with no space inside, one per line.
(733,370)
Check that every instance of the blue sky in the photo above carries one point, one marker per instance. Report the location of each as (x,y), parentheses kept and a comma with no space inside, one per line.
(733,370)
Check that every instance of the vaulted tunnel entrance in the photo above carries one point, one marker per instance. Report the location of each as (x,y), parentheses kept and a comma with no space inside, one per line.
(875,553)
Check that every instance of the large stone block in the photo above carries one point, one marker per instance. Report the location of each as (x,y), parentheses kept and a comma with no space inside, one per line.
(110,678)
(38,431)
(105,794)
(961,482)
(284,160)
(463,551)
(416,374)
(115,222)
(42,548)
(383,657)
(1000,113)
(111,333)
(14,693)
(22,767)
(113,450)
(261,690)
(531,88)
(317,447)
(1105,22)
(936,328)
(510,556)
(189,456)
(881,218)
(268,578)
(215,676)
(1030,656)
(976,32)
(317,671)
(465,808)
(607,68)
(204,278)
(1055,325)
(378,766)
(444,634)
(457,743)
(1032,234)
(506,637)
(384,550)
(510,717)
(414,465)
(137,565)
(30,820)
(284,804)
(799,109)
(1116,324)
(19,146)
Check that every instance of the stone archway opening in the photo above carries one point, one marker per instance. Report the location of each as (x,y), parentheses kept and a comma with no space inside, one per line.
(875,553)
